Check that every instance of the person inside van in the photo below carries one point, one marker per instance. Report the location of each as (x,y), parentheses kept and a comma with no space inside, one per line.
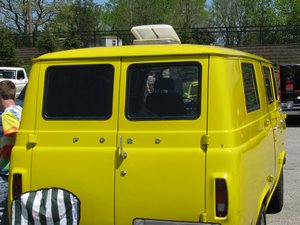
(9,125)
(150,82)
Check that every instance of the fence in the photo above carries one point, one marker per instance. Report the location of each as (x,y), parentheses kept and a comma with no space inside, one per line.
(227,36)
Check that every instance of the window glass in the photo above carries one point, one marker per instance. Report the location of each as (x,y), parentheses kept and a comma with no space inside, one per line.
(250,88)
(20,75)
(78,92)
(269,87)
(275,83)
(7,74)
(163,91)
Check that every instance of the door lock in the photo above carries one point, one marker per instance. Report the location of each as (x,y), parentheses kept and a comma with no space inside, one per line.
(123,173)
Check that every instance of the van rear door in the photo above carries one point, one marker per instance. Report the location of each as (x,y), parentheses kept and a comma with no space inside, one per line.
(76,133)
(160,170)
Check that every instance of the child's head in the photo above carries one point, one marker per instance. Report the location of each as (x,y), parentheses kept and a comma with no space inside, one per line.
(7,90)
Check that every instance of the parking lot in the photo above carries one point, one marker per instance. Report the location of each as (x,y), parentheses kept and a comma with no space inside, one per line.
(290,214)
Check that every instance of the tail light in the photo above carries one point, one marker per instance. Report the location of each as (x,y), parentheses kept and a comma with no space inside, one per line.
(17,185)
(221,198)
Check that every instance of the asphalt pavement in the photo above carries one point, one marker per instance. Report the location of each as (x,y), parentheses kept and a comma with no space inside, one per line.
(290,214)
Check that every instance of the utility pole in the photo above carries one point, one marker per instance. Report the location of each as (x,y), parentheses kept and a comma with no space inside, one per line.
(29,17)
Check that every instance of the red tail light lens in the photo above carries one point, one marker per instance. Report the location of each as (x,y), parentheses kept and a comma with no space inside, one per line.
(17,185)
(221,198)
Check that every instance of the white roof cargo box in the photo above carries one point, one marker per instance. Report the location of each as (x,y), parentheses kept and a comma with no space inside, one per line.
(156,34)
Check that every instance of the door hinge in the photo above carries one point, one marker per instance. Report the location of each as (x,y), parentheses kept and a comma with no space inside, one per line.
(32,139)
(204,142)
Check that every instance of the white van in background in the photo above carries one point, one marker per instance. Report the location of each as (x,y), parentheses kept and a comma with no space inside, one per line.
(17,75)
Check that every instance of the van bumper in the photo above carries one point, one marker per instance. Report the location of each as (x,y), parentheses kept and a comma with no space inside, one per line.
(165,222)
(291,112)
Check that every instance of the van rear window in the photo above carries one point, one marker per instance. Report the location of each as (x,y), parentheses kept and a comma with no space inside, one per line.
(165,91)
(78,92)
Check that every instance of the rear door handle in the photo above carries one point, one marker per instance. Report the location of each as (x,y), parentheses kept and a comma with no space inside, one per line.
(122,154)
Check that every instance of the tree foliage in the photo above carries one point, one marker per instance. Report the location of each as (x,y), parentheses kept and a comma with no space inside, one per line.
(15,13)
(124,14)
(74,22)
(288,12)
(72,40)
(83,16)
(241,19)
(7,49)
(46,42)
(189,13)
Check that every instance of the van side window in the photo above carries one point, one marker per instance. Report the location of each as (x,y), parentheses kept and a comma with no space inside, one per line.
(78,92)
(269,87)
(275,84)
(163,91)
(250,88)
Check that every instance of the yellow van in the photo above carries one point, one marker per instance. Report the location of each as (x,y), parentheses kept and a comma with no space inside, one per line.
(121,128)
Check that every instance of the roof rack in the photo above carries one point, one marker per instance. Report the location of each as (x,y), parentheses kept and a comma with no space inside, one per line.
(155,34)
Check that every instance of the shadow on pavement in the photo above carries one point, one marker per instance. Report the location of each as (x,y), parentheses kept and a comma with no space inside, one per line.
(293,121)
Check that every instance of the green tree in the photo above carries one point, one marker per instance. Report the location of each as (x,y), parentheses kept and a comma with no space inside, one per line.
(227,14)
(7,49)
(124,14)
(189,13)
(15,13)
(181,14)
(260,16)
(46,42)
(83,16)
(72,40)
(27,16)
(259,13)
(288,12)
(240,19)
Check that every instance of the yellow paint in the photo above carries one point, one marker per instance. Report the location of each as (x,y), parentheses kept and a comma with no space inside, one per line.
(172,180)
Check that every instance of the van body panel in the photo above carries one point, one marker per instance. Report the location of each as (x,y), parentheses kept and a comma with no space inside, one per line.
(146,50)
(136,161)
(236,140)
(160,154)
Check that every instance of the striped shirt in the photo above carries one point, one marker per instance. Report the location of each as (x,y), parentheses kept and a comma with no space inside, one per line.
(9,126)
